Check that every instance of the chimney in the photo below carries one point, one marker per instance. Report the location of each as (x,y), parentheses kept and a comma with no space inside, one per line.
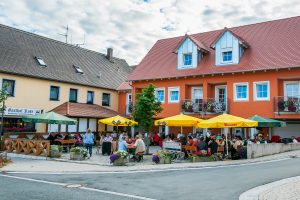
(109,54)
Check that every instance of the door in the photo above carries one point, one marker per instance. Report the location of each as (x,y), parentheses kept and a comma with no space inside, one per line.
(221,96)
(197,99)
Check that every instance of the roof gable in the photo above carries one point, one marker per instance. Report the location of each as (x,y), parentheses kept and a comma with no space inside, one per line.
(199,44)
(240,39)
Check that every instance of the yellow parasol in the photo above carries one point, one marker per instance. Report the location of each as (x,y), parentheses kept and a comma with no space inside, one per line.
(227,121)
(118,121)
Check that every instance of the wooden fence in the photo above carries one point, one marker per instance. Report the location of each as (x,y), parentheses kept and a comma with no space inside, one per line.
(26,146)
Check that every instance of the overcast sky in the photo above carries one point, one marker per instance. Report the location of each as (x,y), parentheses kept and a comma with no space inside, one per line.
(132,27)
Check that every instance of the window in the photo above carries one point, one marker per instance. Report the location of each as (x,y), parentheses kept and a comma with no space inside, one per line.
(292,89)
(173,94)
(73,95)
(41,61)
(227,56)
(54,93)
(241,92)
(78,69)
(9,85)
(90,97)
(160,94)
(187,59)
(261,91)
(128,103)
(105,99)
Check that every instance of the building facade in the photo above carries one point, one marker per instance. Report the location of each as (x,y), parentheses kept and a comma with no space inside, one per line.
(41,75)
(244,71)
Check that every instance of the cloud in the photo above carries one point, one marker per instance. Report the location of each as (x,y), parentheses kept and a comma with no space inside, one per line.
(132,27)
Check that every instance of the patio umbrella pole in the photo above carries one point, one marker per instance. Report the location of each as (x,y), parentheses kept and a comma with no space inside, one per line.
(181,129)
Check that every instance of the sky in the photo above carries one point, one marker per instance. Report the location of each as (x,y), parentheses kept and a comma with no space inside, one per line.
(131,27)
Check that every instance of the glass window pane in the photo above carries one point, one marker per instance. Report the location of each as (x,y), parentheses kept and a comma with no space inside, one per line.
(105,99)
(90,97)
(54,93)
(187,59)
(160,95)
(73,95)
(9,85)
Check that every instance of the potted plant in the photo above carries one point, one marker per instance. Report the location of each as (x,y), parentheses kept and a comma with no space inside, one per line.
(187,106)
(119,158)
(281,105)
(78,153)
(162,157)
(55,151)
(291,106)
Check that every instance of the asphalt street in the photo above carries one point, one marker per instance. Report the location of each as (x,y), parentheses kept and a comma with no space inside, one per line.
(203,183)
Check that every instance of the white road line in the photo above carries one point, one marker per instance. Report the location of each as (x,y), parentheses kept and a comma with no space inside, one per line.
(83,188)
(148,171)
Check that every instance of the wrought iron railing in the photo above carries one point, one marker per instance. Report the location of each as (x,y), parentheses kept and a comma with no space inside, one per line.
(287,104)
(204,105)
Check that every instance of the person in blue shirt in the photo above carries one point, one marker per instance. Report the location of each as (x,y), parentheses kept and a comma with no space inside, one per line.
(122,145)
(88,140)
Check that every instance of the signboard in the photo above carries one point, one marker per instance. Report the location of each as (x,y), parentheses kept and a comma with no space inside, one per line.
(21,111)
(172,146)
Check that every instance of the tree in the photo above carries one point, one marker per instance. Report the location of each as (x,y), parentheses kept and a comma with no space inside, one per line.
(146,107)
(3,98)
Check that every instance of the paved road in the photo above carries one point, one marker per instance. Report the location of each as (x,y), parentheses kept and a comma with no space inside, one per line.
(208,183)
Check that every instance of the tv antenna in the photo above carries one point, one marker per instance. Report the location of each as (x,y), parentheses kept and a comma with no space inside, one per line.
(83,43)
(66,34)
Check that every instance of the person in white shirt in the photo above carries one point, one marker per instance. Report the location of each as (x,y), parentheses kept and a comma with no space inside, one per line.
(294,139)
(179,135)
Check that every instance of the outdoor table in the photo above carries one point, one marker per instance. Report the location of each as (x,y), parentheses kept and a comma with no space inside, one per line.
(66,142)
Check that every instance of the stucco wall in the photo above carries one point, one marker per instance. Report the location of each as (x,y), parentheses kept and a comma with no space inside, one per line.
(259,150)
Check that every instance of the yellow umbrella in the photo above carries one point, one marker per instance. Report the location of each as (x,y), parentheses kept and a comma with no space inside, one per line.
(178,120)
(118,121)
(227,121)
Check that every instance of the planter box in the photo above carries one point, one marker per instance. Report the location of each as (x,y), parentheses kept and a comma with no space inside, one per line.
(201,159)
(164,160)
(55,154)
(76,156)
(120,162)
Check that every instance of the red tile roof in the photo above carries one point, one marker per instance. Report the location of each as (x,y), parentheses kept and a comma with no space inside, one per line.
(124,86)
(273,44)
(84,110)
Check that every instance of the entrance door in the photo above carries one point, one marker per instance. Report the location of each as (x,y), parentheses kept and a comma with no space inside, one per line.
(197,94)
(221,96)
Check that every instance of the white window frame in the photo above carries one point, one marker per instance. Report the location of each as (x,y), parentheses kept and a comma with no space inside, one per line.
(171,89)
(193,90)
(226,50)
(255,92)
(235,91)
(127,102)
(285,83)
(158,89)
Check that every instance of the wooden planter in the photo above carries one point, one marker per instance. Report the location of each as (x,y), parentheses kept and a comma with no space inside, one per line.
(76,156)
(120,162)
(201,159)
(55,154)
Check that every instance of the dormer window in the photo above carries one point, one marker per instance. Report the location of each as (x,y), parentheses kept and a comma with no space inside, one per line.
(227,56)
(187,59)
(189,52)
(229,48)
(41,61)
(78,69)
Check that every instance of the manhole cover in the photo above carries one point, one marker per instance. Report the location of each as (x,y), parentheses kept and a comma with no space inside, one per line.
(73,186)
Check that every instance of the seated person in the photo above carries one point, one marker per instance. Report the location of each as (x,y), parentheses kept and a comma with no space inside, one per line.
(140,147)
(79,139)
(168,139)
(52,137)
(238,142)
(294,139)
(122,145)
(156,139)
(201,145)
(107,144)
(213,145)
(67,136)
(190,140)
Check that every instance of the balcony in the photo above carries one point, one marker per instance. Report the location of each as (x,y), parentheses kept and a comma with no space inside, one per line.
(287,104)
(204,106)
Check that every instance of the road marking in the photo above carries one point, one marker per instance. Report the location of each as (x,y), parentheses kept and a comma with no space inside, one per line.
(82,188)
(150,170)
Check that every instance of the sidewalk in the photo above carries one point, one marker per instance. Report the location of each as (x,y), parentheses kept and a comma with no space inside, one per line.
(50,166)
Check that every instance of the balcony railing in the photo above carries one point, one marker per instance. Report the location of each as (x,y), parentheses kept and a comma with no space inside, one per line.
(129,108)
(287,104)
(204,106)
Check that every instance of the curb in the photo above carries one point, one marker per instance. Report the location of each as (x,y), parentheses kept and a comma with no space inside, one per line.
(269,191)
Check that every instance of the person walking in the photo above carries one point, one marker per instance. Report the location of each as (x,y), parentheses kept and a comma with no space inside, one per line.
(88,140)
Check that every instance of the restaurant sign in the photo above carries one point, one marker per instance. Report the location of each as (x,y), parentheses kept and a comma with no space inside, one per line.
(21,111)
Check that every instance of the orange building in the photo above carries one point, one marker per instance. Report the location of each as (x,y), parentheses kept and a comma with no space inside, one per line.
(243,71)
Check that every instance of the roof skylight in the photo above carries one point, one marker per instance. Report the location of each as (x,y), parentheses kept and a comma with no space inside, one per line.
(78,69)
(41,61)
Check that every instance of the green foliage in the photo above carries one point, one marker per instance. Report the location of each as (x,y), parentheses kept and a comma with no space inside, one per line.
(3,97)
(146,107)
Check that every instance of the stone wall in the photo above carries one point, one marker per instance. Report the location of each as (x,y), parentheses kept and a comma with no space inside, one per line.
(259,150)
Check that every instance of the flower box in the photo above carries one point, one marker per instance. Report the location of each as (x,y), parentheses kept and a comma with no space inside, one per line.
(76,156)
(78,153)
(120,162)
